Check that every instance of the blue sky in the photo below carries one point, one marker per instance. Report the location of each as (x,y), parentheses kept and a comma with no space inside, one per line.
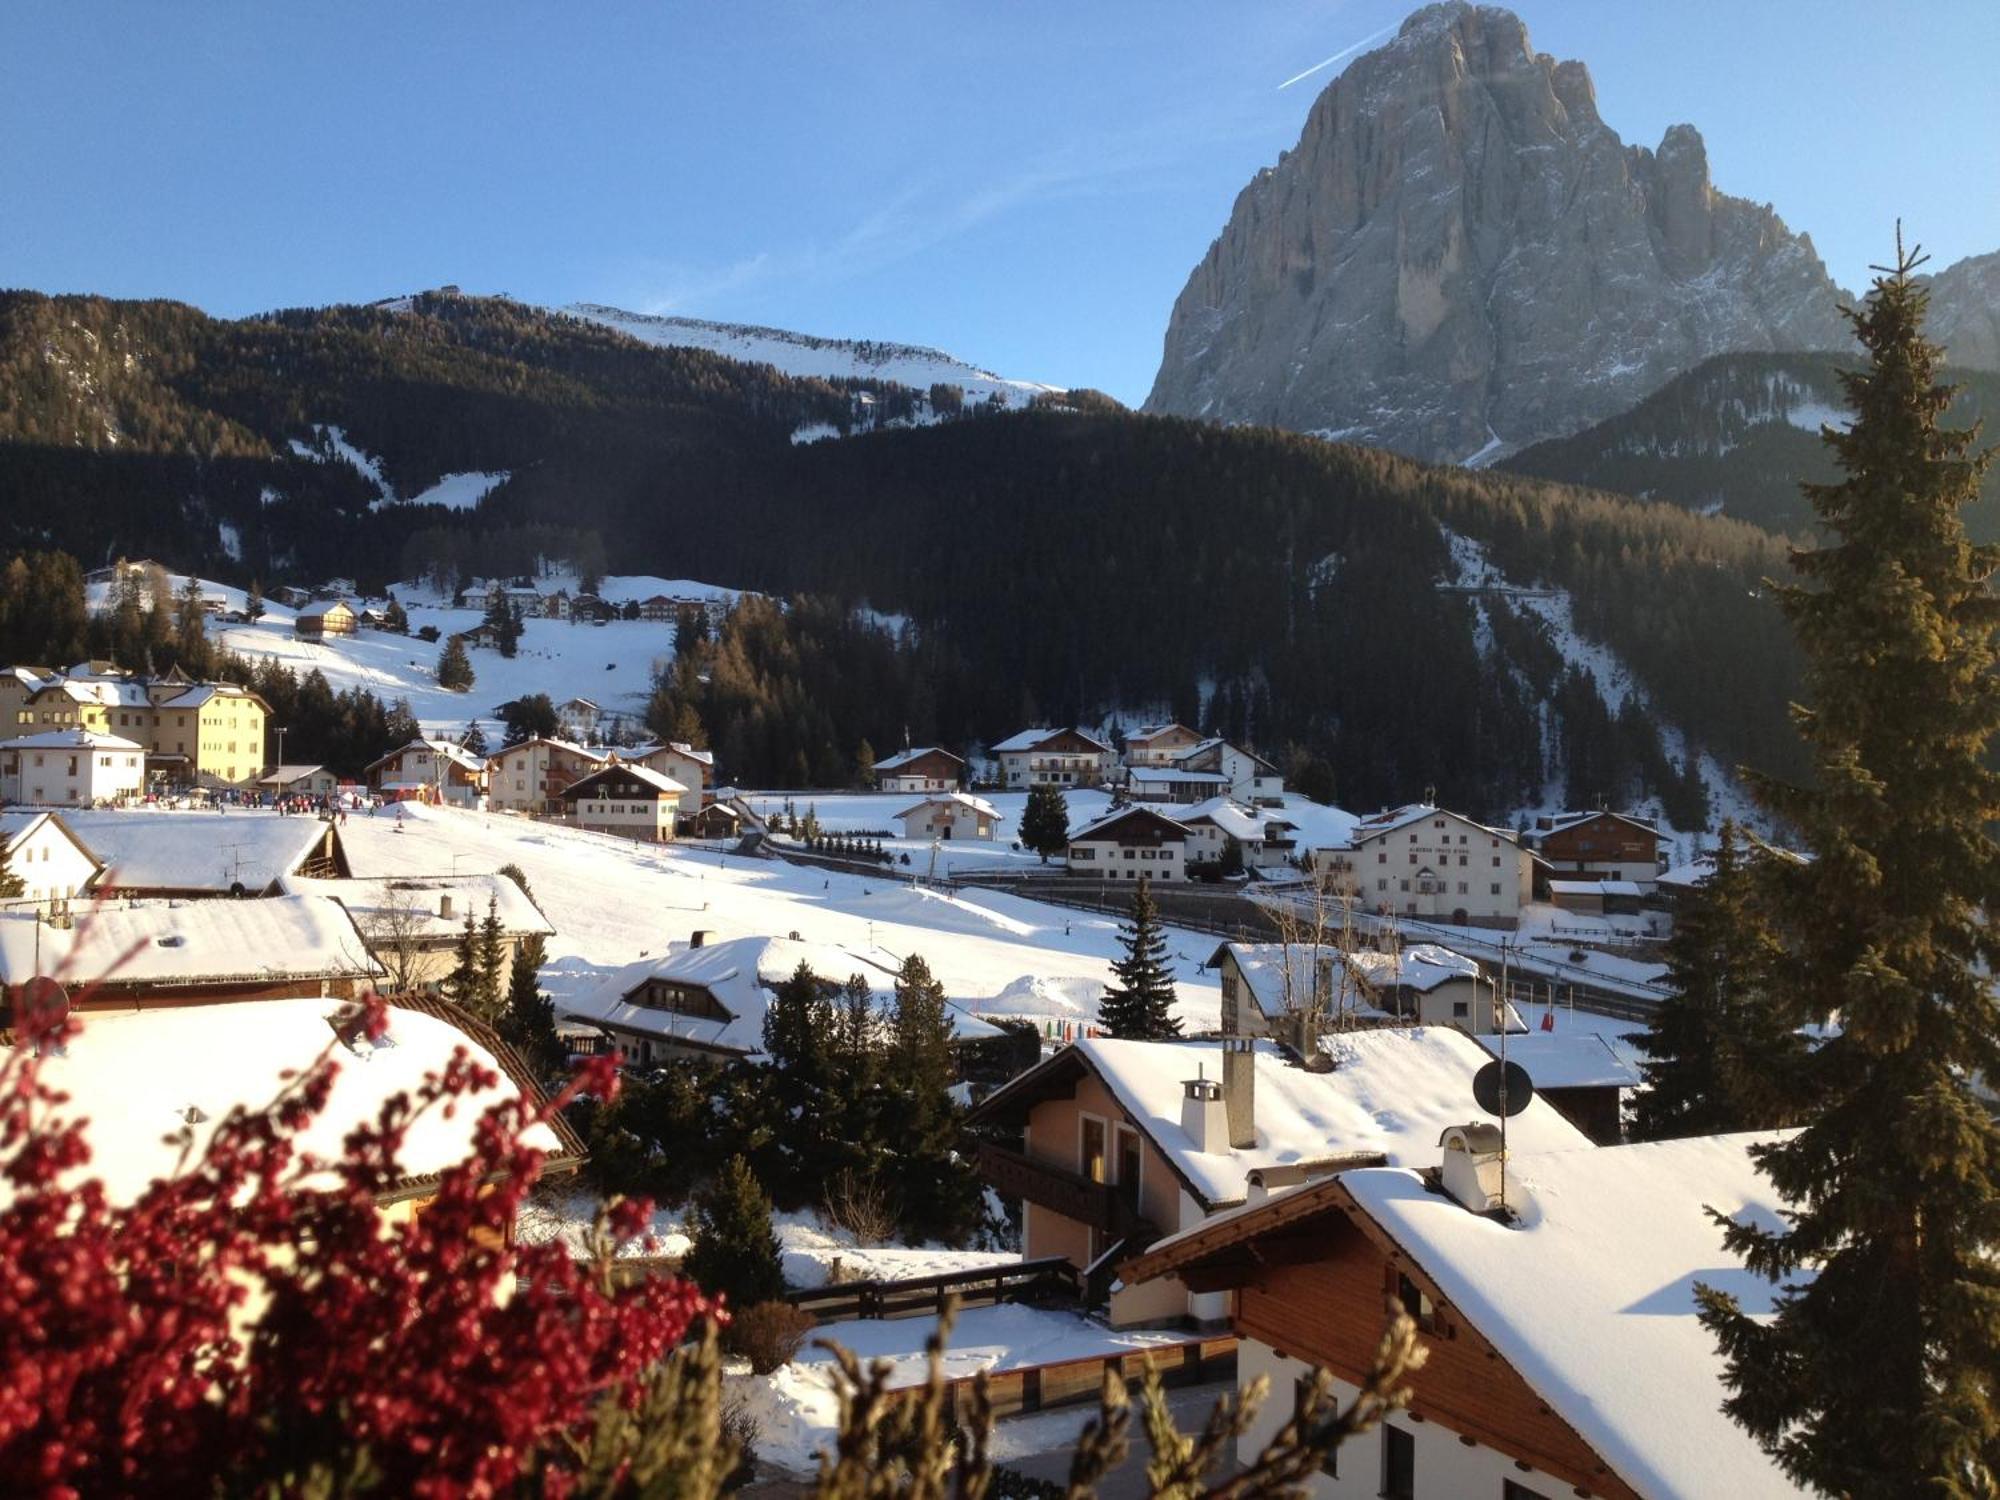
(1026,184)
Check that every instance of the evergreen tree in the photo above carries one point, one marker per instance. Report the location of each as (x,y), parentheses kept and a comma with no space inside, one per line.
(473,741)
(937,1194)
(461,985)
(490,955)
(454,666)
(528,1021)
(253,602)
(1718,1049)
(395,618)
(1045,821)
(864,764)
(735,1254)
(1140,1006)
(400,725)
(1880,1372)
(10,883)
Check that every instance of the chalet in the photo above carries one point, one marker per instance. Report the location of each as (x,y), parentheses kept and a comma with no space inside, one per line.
(1122,1141)
(127,954)
(182,854)
(927,770)
(630,801)
(318,621)
(1565,1353)
(718,820)
(1246,775)
(659,608)
(693,769)
(430,771)
(1597,846)
(706,1000)
(144,1077)
(1128,844)
(1266,985)
(299,781)
(529,777)
(412,923)
(578,718)
(950,815)
(1172,783)
(1158,744)
(1423,861)
(1584,1075)
(1053,757)
(45,854)
(1219,825)
(590,607)
(71,768)
(292,596)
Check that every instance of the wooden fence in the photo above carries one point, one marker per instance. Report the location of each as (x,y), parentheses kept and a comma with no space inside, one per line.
(1051,1278)
(1073,1381)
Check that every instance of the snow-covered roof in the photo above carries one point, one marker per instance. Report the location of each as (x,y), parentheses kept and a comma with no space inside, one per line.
(978,804)
(103,691)
(321,610)
(1100,829)
(1695,872)
(597,756)
(1395,818)
(1232,817)
(286,775)
(1216,742)
(1570,1060)
(458,755)
(677,747)
(1595,888)
(644,775)
(737,972)
(1391,1091)
(904,757)
(73,739)
(1422,967)
(1590,1295)
(141,1077)
(410,905)
(19,824)
(150,850)
(165,942)
(1155,731)
(1029,739)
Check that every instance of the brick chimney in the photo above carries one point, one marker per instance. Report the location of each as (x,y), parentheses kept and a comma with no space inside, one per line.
(444,905)
(1239,1090)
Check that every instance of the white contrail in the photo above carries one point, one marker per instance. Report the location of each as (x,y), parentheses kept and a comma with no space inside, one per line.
(1340,56)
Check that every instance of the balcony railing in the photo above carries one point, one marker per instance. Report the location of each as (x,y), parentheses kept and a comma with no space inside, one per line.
(1062,1191)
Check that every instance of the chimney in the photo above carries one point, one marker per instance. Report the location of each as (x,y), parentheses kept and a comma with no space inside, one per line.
(1474,1163)
(1239,1090)
(444,905)
(699,937)
(1203,1115)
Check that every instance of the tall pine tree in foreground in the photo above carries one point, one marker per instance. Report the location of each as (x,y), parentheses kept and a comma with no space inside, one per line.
(1140,1006)
(1045,821)
(1880,1374)
(1719,1051)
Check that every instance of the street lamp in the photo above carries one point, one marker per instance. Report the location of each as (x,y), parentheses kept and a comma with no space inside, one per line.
(278,771)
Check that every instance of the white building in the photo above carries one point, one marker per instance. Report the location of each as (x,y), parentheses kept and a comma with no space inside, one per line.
(530,777)
(431,770)
(1129,844)
(693,769)
(1158,744)
(46,856)
(1246,775)
(1220,824)
(1053,757)
(71,768)
(1432,986)
(1422,861)
(951,815)
(633,802)
(926,770)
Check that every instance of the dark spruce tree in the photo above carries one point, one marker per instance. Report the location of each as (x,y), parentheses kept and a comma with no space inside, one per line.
(527,1022)
(1045,821)
(454,666)
(1140,1006)
(1719,1050)
(735,1254)
(1880,1373)
(937,1193)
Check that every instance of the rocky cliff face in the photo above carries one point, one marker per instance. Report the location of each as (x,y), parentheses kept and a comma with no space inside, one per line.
(1461,257)
(1965,312)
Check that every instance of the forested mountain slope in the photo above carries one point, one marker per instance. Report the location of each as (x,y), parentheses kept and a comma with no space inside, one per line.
(1736,434)
(1055,564)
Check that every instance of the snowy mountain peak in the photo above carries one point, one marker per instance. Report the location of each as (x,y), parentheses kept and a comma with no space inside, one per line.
(805,355)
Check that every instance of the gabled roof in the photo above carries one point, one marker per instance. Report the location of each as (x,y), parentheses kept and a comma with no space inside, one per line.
(1390,1092)
(905,757)
(646,776)
(568,746)
(165,942)
(1032,739)
(1106,827)
(18,825)
(1396,818)
(458,755)
(141,1077)
(286,775)
(1263,966)
(1175,775)
(75,738)
(397,905)
(677,747)
(156,850)
(1155,731)
(1232,817)
(1558,822)
(977,804)
(319,611)
(1569,1059)
(1209,746)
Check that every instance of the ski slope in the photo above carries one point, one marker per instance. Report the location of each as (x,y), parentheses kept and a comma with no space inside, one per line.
(804,355)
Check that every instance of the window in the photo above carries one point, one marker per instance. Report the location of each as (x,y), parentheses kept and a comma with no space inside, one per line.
(1496,887)
(1382,858)
(1461,887)
(1090,1148)
(1399,1464)
(1460,1010)
(1415,1301)
(1130,1168)
(1405,884)
(1512,1491)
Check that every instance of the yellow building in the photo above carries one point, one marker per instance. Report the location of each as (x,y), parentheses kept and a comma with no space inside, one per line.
(206,733)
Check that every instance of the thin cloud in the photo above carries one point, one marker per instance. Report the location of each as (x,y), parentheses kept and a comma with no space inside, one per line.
(1342,55)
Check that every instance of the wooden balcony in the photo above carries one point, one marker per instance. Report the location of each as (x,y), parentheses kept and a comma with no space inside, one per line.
(1014,1174)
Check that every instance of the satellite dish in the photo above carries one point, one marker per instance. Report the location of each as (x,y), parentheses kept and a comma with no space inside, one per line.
(1486,1088)
(40,1003)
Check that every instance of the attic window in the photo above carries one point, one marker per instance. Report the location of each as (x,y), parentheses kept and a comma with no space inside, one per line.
(1422,1311)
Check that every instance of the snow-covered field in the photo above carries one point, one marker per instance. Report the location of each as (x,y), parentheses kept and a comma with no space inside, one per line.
(612,901)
